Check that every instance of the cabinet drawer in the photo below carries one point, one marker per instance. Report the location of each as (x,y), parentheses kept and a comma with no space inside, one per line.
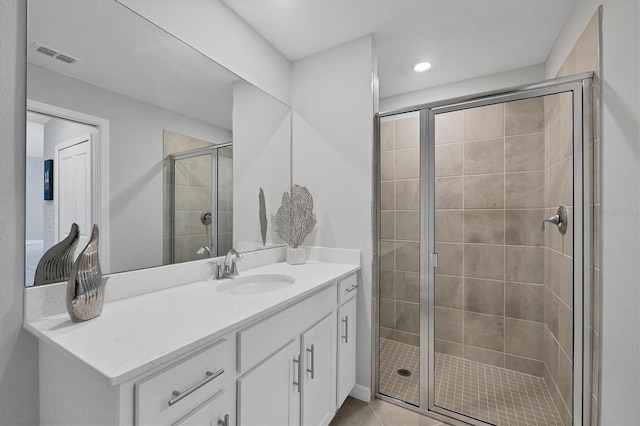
(171,394)
(347,288)
(258,341)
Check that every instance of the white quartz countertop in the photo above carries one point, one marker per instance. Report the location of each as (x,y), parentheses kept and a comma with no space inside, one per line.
(138,334)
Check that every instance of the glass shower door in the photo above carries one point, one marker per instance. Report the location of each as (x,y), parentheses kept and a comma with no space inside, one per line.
(503,289)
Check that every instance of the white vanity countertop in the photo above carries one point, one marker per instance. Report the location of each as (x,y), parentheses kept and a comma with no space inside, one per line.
(136,335)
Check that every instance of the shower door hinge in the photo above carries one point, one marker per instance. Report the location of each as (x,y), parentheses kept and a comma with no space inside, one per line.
(434,260)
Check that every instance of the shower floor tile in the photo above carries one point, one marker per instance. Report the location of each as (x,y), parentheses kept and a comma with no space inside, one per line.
(491,394)
(395,356)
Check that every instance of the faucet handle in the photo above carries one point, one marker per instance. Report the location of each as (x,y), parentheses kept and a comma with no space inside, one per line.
(218,273)
(234,266)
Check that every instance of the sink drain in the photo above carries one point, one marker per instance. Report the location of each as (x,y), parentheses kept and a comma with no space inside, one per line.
(404,372)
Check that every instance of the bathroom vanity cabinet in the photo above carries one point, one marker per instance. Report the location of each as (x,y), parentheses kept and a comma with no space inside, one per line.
(292,365)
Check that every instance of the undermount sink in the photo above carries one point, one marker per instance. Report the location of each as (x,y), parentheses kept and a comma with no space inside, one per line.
(255,284)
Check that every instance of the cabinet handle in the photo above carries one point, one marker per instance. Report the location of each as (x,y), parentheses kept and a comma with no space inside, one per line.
(353,287)
(224,422)
(346,329)
(312,352)
(178,395)
(296,360)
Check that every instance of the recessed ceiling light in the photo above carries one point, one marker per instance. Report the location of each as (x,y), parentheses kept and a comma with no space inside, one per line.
(421,66)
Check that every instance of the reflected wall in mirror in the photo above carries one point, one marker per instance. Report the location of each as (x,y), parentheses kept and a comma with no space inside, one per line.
(122,107)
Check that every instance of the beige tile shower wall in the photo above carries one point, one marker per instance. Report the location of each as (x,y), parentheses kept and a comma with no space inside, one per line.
(400,229)
(489,293)
(585,57)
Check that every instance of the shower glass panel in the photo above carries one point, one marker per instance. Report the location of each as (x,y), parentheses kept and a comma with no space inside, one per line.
(503,287)
(399,273)
(201,203)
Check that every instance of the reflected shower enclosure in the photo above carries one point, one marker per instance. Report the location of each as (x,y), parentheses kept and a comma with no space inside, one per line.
(198,199)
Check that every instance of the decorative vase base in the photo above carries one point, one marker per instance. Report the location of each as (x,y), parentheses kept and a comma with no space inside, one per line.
(296,256)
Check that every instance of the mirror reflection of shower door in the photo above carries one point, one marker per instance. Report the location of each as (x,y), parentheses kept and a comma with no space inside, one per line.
(503,289)
(201,203)
(399,350)
(224,179)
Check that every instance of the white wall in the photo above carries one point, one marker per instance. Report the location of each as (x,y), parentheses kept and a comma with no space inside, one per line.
(333,104)
(215,30)
(620,345)
(18,349)
(261,158)
(517,77)
(135,159)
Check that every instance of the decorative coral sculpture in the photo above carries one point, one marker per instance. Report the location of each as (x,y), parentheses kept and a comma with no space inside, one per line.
(294,219)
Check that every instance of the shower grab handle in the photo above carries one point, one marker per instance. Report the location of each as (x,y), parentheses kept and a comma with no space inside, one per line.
(560,220)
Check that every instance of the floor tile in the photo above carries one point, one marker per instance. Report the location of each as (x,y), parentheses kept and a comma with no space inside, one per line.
(492,394)
(355,413)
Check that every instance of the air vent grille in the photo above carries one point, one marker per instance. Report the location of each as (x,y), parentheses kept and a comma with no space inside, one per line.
(52,53)
(66,59)
(46,51)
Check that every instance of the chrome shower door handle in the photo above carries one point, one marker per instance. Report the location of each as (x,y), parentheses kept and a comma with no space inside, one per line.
(560,220)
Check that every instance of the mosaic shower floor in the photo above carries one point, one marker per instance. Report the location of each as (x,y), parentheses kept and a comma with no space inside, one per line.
(491,394)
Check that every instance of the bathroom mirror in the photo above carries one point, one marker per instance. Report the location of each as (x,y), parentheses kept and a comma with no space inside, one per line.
(163,148)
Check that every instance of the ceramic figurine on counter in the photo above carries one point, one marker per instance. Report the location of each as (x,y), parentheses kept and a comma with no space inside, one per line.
(85,289)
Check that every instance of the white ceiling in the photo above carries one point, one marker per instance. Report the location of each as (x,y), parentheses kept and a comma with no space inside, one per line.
(462,38)
(120,51)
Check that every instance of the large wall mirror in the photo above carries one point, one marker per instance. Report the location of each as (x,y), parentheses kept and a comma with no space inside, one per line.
(134,130)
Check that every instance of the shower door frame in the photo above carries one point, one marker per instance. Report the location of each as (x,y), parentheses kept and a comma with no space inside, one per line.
(581,87)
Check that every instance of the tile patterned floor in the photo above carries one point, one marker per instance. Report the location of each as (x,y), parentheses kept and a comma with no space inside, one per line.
(491,394)
(394,356)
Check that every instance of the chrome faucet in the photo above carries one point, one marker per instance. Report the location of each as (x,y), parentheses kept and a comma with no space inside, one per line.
(229,268)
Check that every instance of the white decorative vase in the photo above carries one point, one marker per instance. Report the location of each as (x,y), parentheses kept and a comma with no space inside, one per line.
(296,256)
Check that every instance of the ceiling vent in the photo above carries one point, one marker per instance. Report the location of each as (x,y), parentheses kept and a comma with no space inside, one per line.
(52,53)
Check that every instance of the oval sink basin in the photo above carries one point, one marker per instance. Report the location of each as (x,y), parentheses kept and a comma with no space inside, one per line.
(255,284)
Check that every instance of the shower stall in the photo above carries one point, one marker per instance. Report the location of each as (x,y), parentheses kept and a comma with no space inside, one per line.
(198,219)
(484,255)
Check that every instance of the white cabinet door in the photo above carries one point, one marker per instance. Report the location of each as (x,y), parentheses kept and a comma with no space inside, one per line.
(269,394)
(346,349)
(319,367)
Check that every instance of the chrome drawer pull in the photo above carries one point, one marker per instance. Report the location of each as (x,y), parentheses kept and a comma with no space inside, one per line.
(224,422)
(296,360)
(311,351)
(177,395)
(353,287)
(346,329)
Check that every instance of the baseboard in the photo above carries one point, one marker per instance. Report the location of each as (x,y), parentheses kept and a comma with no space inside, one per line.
(360,392)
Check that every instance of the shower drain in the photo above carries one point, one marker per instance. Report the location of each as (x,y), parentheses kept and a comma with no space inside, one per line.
(404,372)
